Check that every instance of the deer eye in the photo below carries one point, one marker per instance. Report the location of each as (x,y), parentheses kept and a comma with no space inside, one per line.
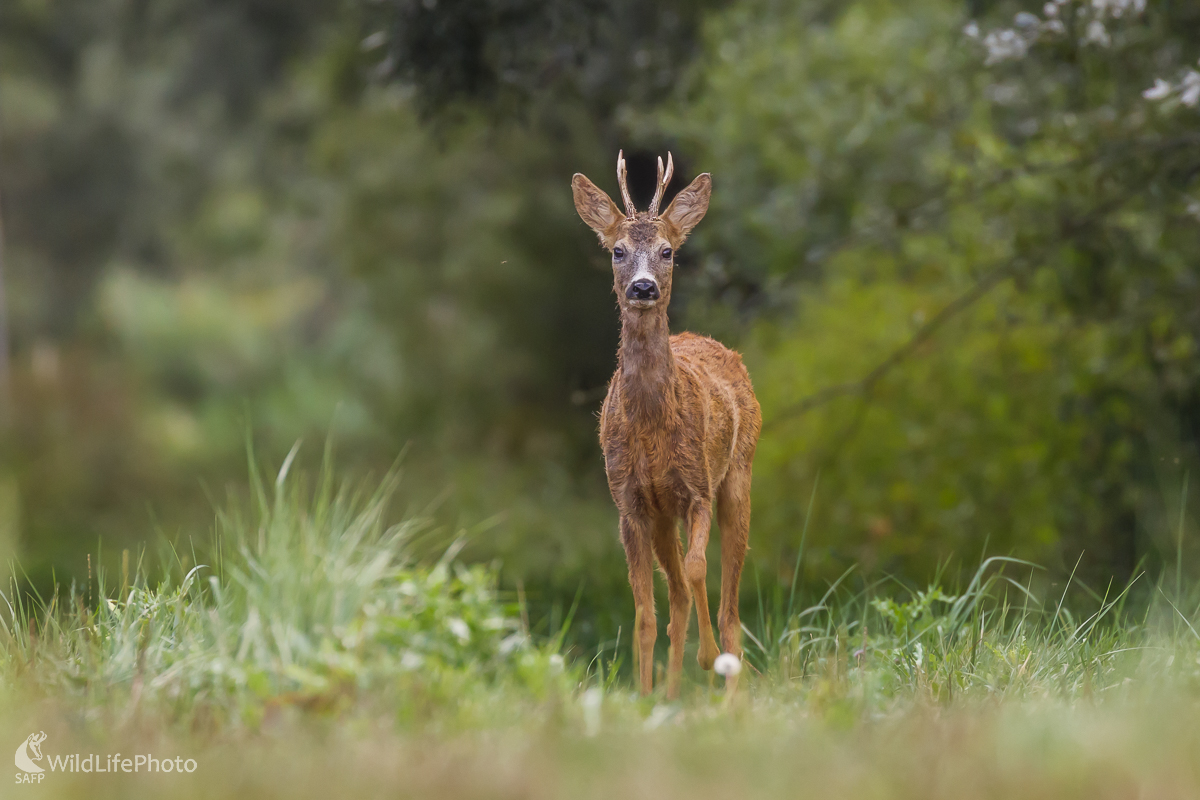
(666,253)
(618,252)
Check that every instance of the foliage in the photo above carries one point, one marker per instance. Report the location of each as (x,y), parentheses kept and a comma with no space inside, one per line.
(973,314)
(514,57)
(310,601)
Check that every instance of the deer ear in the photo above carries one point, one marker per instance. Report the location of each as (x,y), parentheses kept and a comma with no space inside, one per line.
(689,207)
(596,209)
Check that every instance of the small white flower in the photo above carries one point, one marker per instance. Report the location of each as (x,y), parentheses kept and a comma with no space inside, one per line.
(971,30)
(1050,10)
(459,629)
(1190,94)
(1056,26)
(556,663)
(1026,20)
(1158,91)
(1004,45)
(727,664)
(1097,33)
(1117,8)
(411,661)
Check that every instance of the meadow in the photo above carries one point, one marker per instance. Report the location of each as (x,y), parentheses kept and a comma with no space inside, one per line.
(309,651)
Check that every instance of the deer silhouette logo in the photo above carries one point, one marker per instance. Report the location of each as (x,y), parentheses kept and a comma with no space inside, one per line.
(30,751)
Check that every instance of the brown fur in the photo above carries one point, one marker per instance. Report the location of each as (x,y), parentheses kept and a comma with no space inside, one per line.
(678,428)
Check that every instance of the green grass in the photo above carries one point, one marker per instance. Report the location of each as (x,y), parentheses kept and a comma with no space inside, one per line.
(307,652)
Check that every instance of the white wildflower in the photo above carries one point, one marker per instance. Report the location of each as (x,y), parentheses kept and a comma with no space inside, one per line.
(1189,93)
(411,661)
(556,663)
(971,30)
(1158,91)
(1004,45)
(1194,212)
(1050,10)
(1097,34)
(459,629)
(1026,20)
(727,664)
(1117,8)
(1055,26)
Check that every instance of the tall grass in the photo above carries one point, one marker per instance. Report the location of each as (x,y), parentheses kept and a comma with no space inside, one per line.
(994,638)
(305,598)
(310,614)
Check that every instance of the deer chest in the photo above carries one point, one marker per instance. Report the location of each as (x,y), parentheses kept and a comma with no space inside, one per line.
(649,478)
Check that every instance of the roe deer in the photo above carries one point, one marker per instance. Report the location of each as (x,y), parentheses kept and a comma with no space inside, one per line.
(678,428)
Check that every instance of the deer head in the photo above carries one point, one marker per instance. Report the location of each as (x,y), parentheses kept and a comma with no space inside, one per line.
(642,243)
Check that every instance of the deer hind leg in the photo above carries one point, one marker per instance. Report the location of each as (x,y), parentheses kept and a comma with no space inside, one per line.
(636,536)
(733,515)
(695,567)
(670,557)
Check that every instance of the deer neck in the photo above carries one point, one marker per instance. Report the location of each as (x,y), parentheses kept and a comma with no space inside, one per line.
(645,366)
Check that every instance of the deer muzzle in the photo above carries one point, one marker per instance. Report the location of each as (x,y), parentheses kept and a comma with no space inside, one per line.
(642,292)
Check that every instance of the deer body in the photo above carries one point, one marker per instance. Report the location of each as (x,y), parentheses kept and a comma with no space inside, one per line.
(679,427)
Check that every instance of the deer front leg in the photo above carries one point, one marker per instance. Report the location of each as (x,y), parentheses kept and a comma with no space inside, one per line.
(670,558)
(695,566)
(636,536)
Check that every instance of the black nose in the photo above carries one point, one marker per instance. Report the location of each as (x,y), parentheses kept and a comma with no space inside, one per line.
(642,290)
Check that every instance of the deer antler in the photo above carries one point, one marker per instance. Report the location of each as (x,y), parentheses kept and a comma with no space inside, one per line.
(663,180)
(629,209)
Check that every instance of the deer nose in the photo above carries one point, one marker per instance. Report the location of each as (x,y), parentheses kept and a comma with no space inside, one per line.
(642,290)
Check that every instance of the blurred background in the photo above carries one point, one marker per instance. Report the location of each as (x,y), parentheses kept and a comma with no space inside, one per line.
(957,242)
